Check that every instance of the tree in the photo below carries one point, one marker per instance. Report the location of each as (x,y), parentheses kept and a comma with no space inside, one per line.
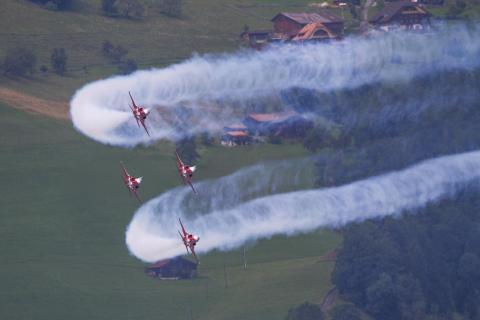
(171,8)
(58,60)
(305,311)
(128,66)
(382,298)
(108,8)
(19,62)
(346,312)
(456,9)
(130,8)
(207,138)
(187,149)
(55,4)
(114,53)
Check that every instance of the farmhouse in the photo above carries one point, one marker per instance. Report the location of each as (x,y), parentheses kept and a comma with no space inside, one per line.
(235,134)
(172,269)
(235,138)
(285,124)
(288,26)
(291,23)
(402,14)
(314,32)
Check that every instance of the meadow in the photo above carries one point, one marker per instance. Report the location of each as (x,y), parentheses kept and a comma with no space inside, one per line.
(64,212)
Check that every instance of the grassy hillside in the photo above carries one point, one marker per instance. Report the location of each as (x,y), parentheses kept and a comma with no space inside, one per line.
(64,211)
(156,40)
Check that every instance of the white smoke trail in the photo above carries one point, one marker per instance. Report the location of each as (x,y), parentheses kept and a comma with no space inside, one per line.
(100,109)
(152,234)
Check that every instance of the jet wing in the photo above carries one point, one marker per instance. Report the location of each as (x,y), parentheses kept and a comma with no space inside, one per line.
(135,193)
(144,126)
(191,185)
(179,161)
(125,173)
(192,249)
(133,102)
(183,230)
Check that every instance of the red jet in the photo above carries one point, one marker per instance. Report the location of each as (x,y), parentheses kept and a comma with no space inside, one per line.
(139,113)
(189,240)
(131,182)
(186,172)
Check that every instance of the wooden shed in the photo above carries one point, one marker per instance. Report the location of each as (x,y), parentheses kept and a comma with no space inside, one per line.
(172,269)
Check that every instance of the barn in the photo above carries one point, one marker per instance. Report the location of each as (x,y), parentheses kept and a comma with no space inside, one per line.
(314,32)
(172,269)
(291,23)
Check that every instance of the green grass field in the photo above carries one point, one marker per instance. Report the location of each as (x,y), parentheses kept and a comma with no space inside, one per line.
(63,216)
(156,40)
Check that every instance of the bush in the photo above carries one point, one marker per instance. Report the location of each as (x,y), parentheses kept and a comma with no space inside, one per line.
(114,53)
(306,311)
(58,60)
(19,62)
(108,8)
(171,8)
(346,312)
(123,8)
(456,9)
(128,66)
(130,9)
(187,149)
(55,4)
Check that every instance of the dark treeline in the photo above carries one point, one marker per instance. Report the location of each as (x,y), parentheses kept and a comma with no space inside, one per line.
(422,266)
(388,127)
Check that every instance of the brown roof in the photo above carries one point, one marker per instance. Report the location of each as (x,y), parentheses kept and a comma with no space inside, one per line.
(308,32)
(255,32)
(305,18)
(270,117)
(392,8)
(159,264)
(237,126)
(237,133)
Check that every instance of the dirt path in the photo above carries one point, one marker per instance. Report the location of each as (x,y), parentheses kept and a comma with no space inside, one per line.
(329,300)
(49,108)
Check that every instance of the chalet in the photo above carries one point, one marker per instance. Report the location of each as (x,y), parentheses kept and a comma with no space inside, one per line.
(172,269)
(235,134)
(285,124)
(291,23)
(235,138)
(314,32)
(403,15)
(236,127)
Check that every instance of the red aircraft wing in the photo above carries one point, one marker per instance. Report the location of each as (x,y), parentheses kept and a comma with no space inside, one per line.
(135,193)
(125,172)
(183,229)
(179,161)
(133,102)
(192,249)
(191,185)
(144,126)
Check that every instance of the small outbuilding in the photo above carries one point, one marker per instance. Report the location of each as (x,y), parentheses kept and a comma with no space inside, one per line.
(402,15)
(172,269)
(235,138)
(284,124)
